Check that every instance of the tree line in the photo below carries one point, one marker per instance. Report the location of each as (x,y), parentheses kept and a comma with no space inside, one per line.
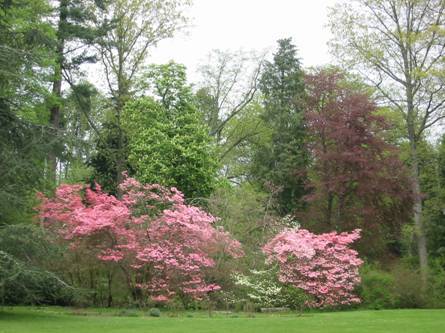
(259,141)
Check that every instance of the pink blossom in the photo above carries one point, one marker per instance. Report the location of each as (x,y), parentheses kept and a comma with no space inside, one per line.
(160,298)
(150,228)
(322,265)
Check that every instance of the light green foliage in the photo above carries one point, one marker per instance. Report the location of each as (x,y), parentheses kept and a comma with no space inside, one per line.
(242,134)
(138,26)
(170,150)
(168,83)
(395,134)
(228,84)
(246,212)
(395,46)
(227,100)
(168,142)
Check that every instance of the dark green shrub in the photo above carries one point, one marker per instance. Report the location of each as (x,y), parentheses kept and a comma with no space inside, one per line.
(154,312)
(128,313)
(23,284)
(178,304)
(407,285)
(377,290)
(436,287)
(293,298)
(28,260)
(400,287)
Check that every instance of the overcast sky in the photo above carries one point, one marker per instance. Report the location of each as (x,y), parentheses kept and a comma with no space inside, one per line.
(250,25)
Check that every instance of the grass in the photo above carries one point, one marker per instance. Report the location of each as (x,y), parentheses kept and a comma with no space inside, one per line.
(65,320)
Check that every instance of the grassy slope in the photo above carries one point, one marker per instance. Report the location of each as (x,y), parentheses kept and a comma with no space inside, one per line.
(29,320)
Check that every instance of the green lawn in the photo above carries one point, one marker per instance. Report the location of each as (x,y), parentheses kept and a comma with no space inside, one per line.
(49,320)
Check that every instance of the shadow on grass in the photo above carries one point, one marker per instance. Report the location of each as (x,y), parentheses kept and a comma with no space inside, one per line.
(27,315)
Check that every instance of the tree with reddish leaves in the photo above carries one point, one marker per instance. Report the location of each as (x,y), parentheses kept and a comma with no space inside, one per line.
(322,265)
(162,245)
(357,179)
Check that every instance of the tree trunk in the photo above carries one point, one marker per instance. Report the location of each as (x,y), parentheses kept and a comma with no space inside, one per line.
(417,207)
(110,295)
(93,286)
(130,284)
(329,209)
(418,221)
(57,88)
(121,99)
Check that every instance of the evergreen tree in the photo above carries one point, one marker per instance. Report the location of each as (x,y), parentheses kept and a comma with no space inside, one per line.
(108,151)
(281,161)
(78,28)
(24,61)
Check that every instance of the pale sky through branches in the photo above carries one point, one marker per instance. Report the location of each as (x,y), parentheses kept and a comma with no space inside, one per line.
(250,25)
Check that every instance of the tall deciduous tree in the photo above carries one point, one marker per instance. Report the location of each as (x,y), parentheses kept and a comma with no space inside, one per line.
(138,25)
(84,115)
(227,100)
(173,150)
(229,84)
(168,140)
(357,179)
(282,160)
(399,46)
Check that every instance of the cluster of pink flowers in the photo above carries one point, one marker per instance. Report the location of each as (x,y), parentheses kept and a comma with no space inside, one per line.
(151,233)
(322,265)
(165,246)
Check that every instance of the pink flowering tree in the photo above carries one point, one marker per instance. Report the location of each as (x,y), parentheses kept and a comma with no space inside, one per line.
(322,265)
(162,245)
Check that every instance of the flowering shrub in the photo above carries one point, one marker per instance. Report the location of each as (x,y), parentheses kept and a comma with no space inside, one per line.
(264,290)
(162,245)
(322,265)
(260,288)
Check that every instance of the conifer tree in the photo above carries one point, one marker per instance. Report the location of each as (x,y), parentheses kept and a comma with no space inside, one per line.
(282,159)
(78,28)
